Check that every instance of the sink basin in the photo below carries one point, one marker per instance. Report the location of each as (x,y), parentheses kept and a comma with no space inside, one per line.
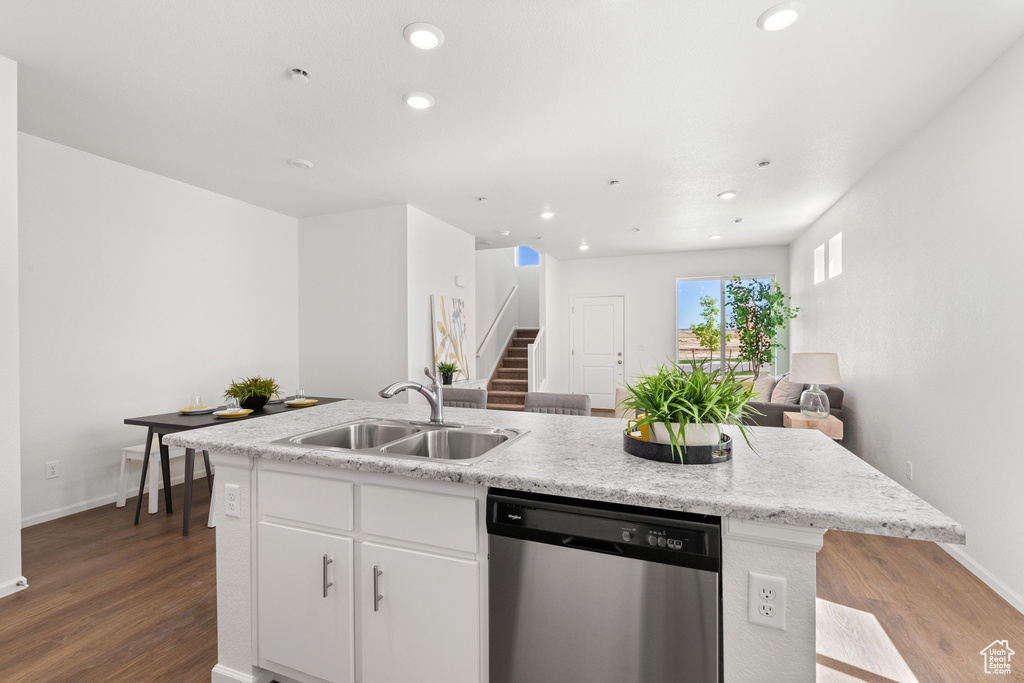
(448,444)
(356,435)
(462,444)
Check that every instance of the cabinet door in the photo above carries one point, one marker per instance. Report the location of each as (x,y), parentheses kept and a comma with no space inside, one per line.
(426,627)
(298,626)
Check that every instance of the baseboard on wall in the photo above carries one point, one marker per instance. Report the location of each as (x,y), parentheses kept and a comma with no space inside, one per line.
(222,674)
(988,578)
(13,586)
(57,513)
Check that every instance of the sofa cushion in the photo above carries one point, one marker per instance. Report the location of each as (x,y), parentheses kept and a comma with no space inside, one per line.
(786,391)
(763,387)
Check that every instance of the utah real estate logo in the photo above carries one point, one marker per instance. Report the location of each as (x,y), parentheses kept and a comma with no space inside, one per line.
(997,657)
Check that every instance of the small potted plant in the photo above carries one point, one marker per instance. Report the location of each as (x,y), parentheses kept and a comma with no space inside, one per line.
(687,409)
(448,371)
(253,392)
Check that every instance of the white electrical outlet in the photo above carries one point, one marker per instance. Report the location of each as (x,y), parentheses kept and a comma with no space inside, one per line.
(53,469)
(910,471)
(766,600)
(232,498)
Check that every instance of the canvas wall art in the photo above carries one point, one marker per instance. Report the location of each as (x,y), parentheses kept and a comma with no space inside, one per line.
(448,316)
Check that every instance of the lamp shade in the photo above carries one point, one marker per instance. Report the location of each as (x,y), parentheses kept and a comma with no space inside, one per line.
(814,368)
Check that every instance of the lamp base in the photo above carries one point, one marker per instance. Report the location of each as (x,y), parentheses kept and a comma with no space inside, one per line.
(814,403)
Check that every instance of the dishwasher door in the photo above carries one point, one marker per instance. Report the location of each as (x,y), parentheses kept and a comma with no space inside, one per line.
(574,608)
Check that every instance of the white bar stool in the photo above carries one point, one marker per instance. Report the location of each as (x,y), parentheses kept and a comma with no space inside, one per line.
(137,453)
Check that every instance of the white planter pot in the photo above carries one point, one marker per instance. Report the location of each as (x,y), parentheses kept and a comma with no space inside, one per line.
(704,434)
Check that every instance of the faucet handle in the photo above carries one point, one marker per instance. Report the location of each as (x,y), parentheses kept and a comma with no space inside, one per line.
(432,378)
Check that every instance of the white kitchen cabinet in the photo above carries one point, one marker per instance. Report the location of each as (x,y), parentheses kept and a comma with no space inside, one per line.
(305,582)
(424,540)
(420,616)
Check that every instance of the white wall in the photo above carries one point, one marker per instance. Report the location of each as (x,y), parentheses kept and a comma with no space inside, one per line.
(437,253)
(927,318)
(353,302)
(495,277)
(136,292)
(10,404)
(648,284)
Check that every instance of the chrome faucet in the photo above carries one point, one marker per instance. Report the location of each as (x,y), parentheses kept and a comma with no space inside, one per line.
(433,395)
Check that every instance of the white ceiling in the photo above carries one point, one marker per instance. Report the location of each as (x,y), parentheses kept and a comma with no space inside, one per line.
(538,105)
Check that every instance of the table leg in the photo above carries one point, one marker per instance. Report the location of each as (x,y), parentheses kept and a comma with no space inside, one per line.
(154,483)
(142,480)
(165,469)
(190,464)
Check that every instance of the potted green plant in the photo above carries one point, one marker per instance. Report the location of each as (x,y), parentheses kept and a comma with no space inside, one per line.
(448,371)
(688,408)
(253,392)
(758,312)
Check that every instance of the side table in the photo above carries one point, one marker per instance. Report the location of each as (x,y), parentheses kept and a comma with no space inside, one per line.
(830,426)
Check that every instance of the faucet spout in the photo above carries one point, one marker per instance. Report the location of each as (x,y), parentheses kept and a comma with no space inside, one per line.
(433,395)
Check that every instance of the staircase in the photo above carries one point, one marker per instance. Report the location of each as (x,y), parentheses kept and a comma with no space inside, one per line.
(507,388)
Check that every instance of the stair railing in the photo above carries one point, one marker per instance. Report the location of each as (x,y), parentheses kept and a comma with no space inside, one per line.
(537,363)
(493,344)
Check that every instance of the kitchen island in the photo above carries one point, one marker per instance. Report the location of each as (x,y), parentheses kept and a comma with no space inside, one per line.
(775,505)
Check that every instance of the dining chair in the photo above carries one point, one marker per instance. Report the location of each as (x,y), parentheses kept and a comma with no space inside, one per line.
(465,398)
(557,404)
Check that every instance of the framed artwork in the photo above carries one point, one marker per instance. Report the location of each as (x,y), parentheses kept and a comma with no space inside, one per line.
(448,316)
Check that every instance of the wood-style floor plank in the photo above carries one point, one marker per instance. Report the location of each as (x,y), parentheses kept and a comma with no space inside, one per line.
(109,601)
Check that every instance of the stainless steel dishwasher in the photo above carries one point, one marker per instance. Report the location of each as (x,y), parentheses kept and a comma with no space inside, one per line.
(598,593)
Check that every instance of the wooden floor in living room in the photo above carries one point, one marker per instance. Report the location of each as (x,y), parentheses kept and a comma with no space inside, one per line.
(109,601)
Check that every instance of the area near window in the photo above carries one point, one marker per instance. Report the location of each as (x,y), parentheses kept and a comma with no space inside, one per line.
(702,335)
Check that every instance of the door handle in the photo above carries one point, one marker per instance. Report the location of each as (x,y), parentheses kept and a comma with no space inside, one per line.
(327,584)
(620,361)
(377,597)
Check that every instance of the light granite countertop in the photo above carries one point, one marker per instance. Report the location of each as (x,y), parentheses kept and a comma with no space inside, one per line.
(796,476)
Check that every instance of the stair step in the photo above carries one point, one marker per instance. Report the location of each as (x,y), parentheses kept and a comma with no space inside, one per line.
(504,406)
(512,373)
(518,363)
(520,343)
(508,385)
(517,352)
(511,397)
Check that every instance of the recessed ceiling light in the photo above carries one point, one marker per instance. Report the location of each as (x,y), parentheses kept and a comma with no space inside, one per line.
(738,220)
(584,247)
(419,100)
(728,194)
(299,75)
(424,36)
(300,163)
(486,242)
(715,237)
(503,233)
(780,17)
(548,214)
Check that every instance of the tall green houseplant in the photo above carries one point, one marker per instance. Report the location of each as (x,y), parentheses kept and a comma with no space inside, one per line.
(758,312)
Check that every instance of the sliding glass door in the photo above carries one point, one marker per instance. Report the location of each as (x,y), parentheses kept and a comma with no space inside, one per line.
(703,316)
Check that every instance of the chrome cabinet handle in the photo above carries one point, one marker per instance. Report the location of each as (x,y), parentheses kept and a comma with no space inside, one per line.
(377,597)
(327,584)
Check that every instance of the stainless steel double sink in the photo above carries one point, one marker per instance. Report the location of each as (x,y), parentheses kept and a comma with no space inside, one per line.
(463,444)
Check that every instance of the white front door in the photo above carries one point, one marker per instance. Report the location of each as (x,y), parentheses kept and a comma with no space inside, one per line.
(597,344)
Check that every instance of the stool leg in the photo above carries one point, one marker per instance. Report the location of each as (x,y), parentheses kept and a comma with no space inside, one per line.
(142,479)
(122,481)
(154,483)
(190,464)
(165,468)
(209,471)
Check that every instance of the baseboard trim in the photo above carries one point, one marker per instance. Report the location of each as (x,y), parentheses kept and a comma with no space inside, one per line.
(57,513)
(13,586)
(222,674)
(988,578)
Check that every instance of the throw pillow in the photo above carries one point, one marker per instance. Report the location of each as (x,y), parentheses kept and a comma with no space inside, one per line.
(786,391)
(763,388)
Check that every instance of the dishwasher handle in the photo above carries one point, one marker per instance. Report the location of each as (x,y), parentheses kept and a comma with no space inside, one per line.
(592,545)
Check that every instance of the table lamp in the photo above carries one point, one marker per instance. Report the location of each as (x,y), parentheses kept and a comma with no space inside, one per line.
(814,369)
